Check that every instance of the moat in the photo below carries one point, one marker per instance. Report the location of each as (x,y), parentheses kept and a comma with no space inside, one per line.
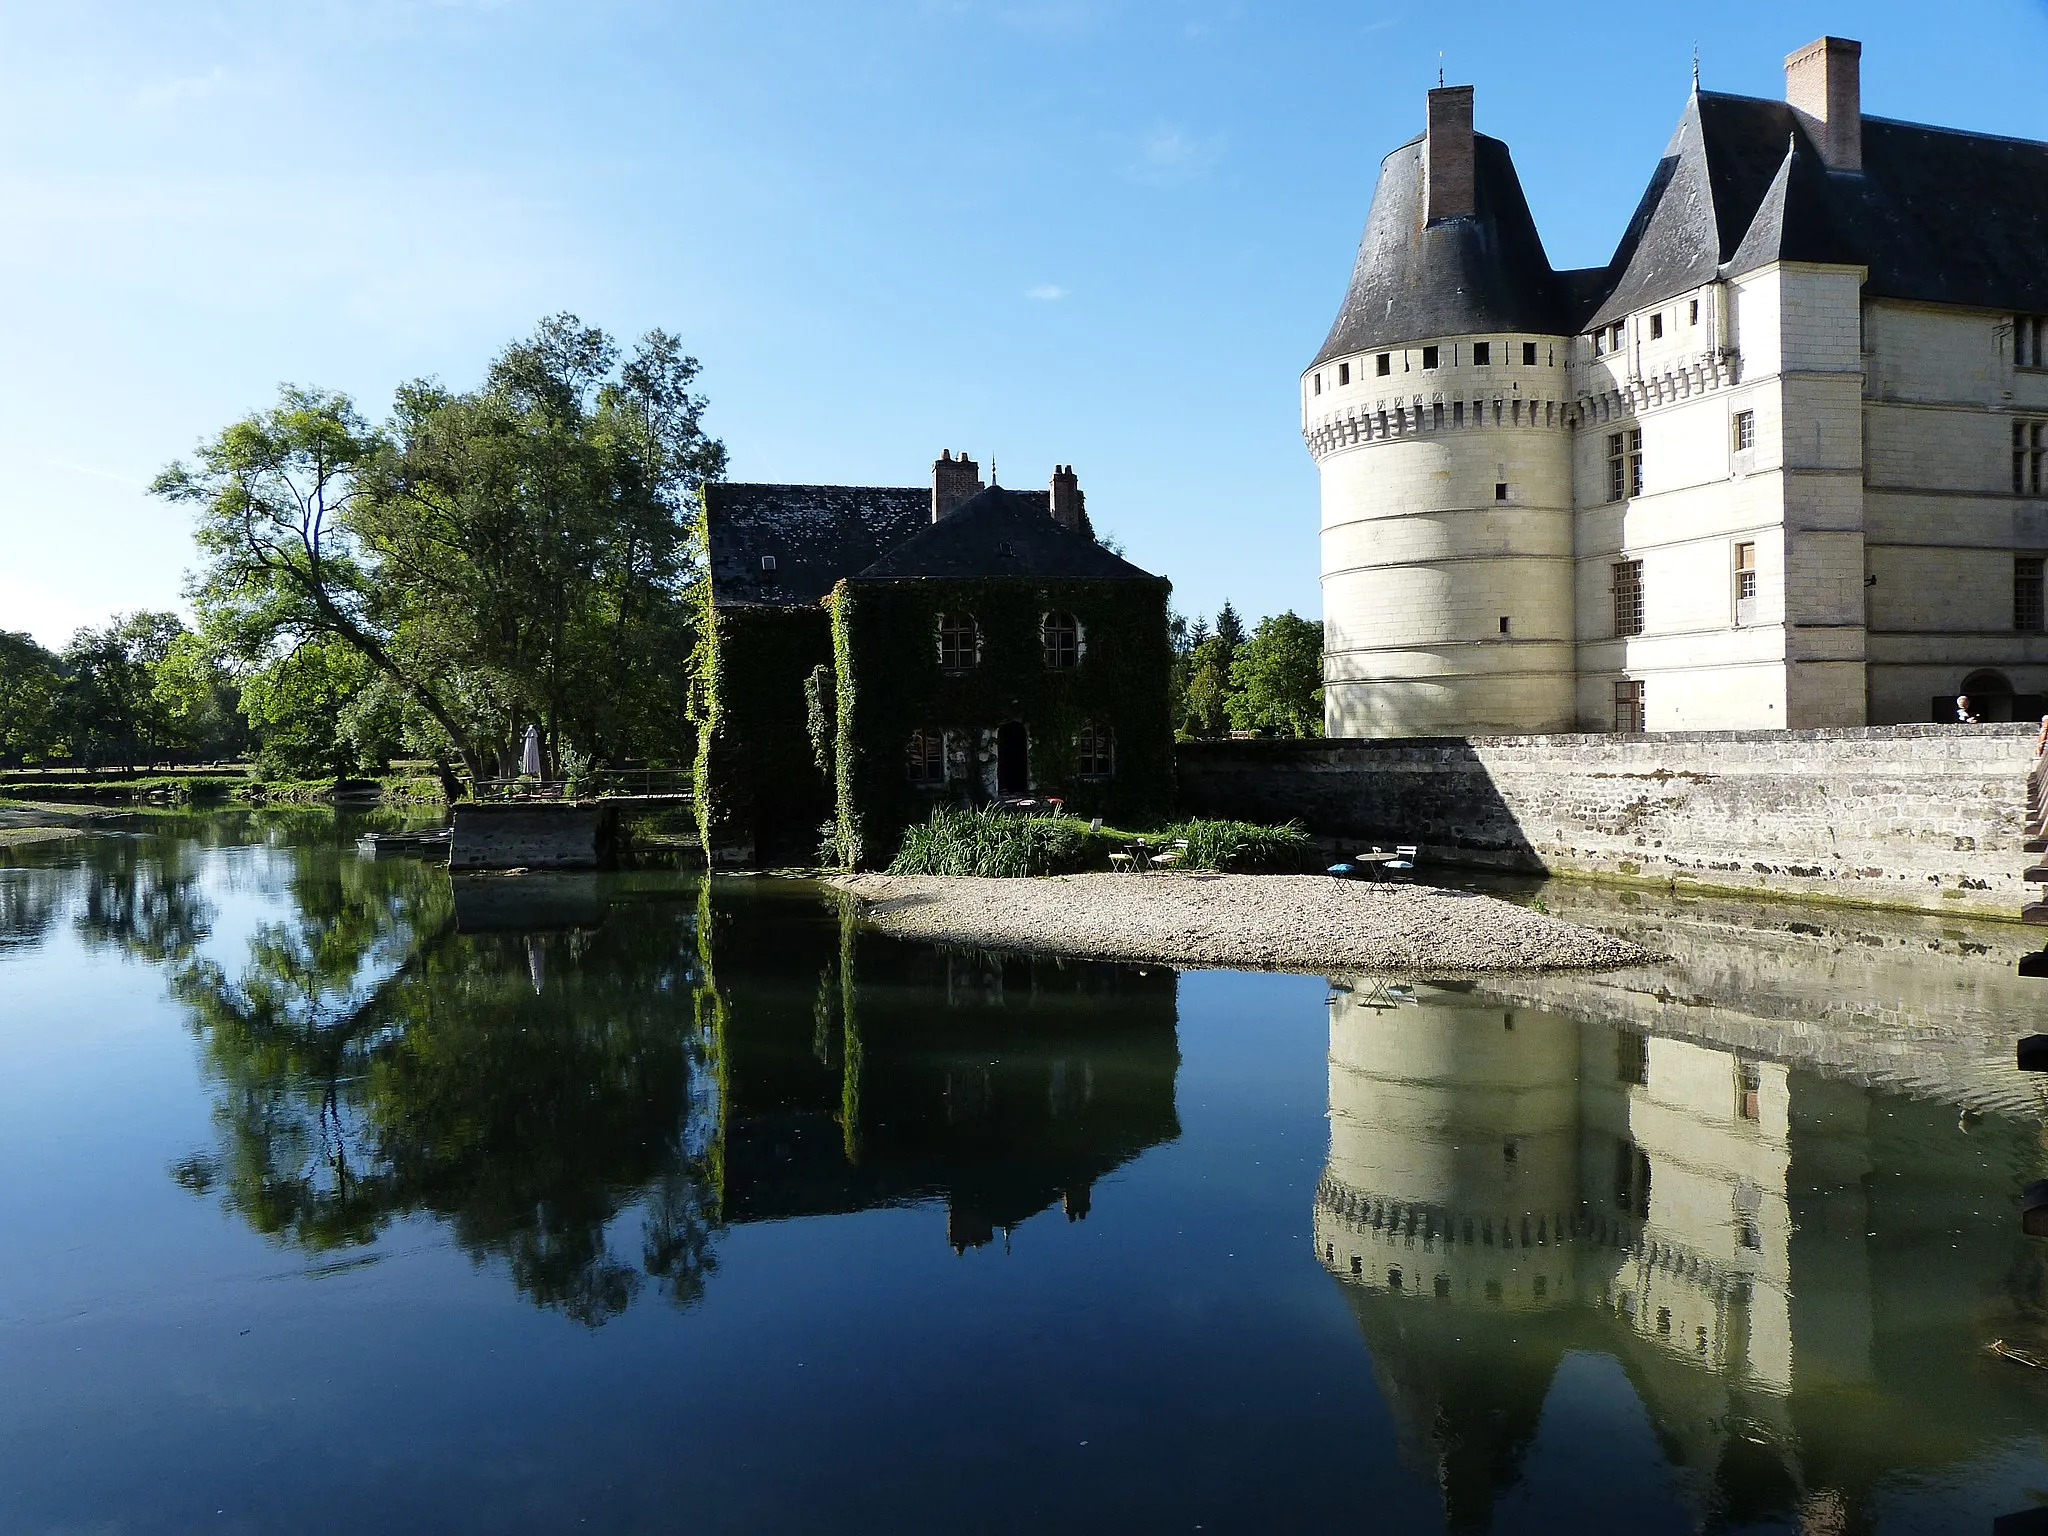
(341,1194)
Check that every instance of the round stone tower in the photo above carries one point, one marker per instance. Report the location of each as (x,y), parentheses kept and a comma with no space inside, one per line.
(1437,414)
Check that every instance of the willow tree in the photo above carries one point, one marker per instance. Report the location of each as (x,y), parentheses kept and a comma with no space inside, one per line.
(511,554)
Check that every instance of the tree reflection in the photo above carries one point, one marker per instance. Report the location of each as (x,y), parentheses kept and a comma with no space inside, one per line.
(375,1064)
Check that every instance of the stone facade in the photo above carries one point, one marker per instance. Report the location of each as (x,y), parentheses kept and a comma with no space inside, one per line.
(1922,816)
(1739,479)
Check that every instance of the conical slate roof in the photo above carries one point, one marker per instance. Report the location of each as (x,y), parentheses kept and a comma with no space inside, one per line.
(1457,276)
(1001,533)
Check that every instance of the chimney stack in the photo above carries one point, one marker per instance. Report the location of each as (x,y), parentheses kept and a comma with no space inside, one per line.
(1066,498)
(1824,80)
(1447,155)
(953,481)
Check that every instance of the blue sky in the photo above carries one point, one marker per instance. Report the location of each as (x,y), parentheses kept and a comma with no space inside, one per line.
(1102,232)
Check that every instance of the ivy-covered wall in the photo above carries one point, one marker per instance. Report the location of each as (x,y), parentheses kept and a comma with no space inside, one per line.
(886,654)
(760,795)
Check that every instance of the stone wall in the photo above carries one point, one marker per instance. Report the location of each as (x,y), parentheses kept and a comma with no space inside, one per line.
(1914,816)
(565,835)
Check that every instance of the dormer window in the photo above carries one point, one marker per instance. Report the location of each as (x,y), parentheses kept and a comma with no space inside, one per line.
(767,565)
(2030,341)
(959,642)
(1599,343)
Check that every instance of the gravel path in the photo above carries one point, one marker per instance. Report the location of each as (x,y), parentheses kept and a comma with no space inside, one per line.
(1244,922)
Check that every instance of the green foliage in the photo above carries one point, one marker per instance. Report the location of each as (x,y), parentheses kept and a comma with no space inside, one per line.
(992,844)
(757,784)
(519,553)
(1242,847)
(295,706)
(821,704)
(891,685)
(29,685)
(1276,679)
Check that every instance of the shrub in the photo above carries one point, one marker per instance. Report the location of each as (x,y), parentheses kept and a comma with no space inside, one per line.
(1243,847)
(991,844)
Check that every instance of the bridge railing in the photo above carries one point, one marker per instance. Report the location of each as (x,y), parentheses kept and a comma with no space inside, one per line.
(599,783)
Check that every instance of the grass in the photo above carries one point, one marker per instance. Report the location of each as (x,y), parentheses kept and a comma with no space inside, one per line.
(992,844)
(183,788)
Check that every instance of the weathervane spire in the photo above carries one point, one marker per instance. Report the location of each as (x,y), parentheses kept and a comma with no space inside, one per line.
(1695,69)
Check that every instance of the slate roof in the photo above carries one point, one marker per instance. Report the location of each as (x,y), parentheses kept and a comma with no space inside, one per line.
(816,534)
(1935,215)
(1001,533)
(1458,276)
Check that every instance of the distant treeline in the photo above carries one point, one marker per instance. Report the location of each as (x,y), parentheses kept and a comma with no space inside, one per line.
(1268,683)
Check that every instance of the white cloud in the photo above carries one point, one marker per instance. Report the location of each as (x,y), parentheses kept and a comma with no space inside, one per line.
(1045,292)
(1169,156)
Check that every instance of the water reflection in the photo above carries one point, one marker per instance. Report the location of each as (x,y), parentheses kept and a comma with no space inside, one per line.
(1774,1258)
(589,1079)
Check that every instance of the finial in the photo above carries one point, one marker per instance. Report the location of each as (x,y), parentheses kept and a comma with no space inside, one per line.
(1695,69)
(992,470)
(1439,69)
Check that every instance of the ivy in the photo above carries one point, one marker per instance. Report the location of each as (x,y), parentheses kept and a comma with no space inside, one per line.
(885,652)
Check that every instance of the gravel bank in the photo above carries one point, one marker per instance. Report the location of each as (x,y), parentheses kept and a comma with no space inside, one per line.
(1243,922)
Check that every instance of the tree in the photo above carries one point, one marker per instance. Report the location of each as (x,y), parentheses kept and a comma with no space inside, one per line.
(1229,627)
(198,699)
(1277,678)
(29,685)
(296,705)
(284,569)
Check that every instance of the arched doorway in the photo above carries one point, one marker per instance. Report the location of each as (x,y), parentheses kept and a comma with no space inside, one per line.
(1013,766)
(1989,693)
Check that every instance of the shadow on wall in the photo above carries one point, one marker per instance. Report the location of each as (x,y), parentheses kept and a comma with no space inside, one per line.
(1917,816)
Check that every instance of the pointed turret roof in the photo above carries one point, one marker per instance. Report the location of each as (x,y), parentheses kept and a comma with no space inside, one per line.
(1416,278)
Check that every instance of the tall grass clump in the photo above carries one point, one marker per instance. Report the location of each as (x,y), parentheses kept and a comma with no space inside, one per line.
(991,844)
(1243,847)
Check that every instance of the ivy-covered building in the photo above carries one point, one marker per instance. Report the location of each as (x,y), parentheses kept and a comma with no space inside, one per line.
(870,652)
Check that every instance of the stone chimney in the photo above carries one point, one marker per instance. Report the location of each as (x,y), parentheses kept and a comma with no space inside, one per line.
(1066,497)
(1447,172)
(1824,80)
(953,481)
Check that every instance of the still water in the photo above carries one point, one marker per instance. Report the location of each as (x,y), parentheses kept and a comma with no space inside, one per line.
(335,1195)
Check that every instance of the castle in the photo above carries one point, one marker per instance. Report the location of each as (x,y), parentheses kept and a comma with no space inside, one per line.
(1783,462)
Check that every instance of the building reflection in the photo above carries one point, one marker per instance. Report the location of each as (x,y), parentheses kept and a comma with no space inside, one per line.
(1755,1246)
(881,1073)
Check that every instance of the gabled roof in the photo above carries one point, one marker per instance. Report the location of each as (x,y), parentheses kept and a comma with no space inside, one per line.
(1934,215)
(1001,533)
(816,534)
(1458,276)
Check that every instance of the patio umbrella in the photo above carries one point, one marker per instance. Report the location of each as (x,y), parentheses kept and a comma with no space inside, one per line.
(529,758)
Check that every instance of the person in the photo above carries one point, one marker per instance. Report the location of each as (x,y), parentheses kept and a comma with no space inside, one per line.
(1965,715)
(2041,737)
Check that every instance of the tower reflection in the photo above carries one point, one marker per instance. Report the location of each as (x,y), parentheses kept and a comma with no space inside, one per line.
(1507,1186)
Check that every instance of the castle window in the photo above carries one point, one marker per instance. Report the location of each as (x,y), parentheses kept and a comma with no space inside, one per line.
(1745,431)
(1663,1319)
(1343,373)
(1482,353)
(1599,343)
(2029,457)
(1319,383)
(1504,623)
(1628,708)
(1628,599)
(1657,326)
(926,760)
(1095,752)
(959,642)
(767,565)
(1745,583)
(2030,341)
(1500,490)
(1457,413)
(1614,334)
(2027,605)
(1393,1279)
(1624,464)
(1430,356)
(1695,320)
(1529,354)
(1062,636)
(1384,364)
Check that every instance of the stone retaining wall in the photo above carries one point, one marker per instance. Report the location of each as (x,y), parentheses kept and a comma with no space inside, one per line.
(564,835)
(1917,816)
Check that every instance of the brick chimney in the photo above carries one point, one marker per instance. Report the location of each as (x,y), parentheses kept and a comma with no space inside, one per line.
(1824,80)
(1067,501)
(1447,173)
(953,481)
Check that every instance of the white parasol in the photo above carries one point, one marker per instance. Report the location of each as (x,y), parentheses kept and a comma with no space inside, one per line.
(529,757)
